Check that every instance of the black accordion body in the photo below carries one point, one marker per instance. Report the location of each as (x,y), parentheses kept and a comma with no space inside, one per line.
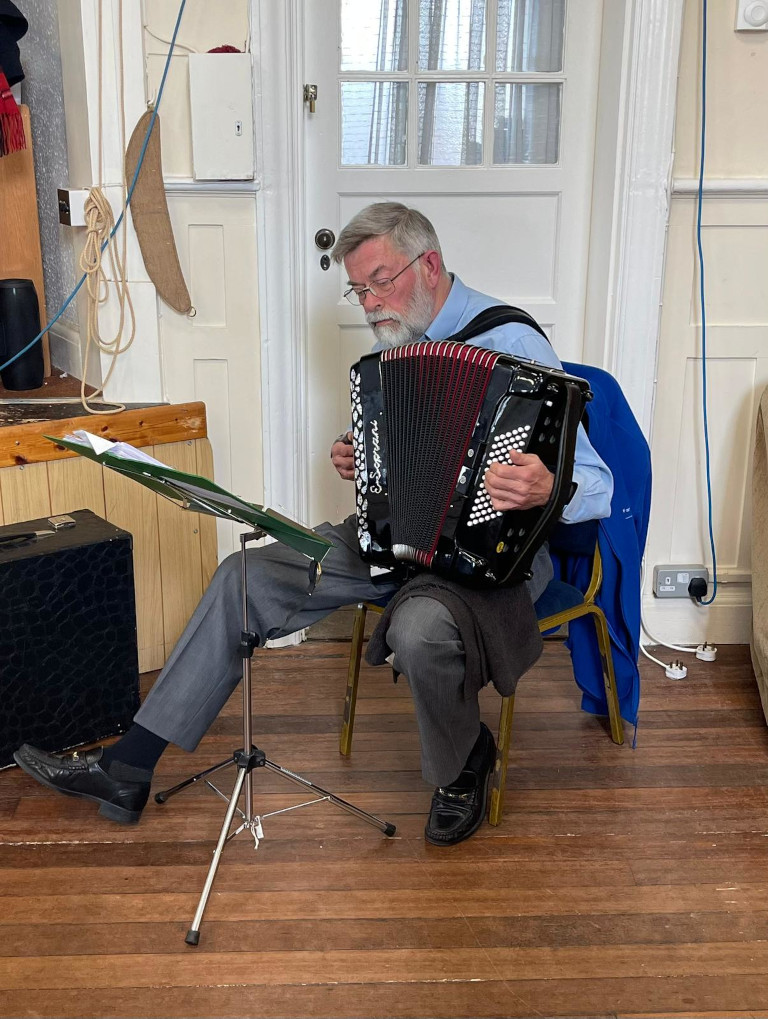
(428,419)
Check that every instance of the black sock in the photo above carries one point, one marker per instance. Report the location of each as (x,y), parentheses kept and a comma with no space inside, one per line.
(138,748)
(477,759)
(479,751)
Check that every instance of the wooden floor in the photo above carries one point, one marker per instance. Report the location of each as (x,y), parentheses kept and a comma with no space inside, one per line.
(621,882)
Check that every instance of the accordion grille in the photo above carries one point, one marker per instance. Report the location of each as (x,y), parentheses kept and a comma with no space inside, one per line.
(432,395)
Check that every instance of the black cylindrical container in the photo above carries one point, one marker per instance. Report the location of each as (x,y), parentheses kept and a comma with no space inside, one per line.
(20,323)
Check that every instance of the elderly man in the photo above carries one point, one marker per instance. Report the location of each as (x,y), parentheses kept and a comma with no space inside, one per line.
(396,274)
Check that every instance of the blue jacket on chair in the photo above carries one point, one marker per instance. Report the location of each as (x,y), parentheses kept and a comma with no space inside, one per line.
(617,438)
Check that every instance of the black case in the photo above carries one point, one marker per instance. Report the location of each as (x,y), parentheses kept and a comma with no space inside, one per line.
(68,658)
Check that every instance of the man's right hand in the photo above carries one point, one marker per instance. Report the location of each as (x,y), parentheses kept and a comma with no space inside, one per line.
(342,456)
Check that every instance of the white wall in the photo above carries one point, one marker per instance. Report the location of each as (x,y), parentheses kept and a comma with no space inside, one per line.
(214,356)
(203,27)
(735,243)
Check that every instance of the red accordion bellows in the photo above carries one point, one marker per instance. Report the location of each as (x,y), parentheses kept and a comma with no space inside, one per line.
(433,392)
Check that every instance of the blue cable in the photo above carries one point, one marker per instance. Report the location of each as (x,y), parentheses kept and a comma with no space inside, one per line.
(702,292)
(129,195)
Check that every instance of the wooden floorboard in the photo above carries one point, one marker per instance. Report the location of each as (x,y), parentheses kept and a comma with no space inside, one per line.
(625,882)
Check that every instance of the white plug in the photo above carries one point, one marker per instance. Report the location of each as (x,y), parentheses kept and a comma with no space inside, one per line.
(676,670)
(706,652)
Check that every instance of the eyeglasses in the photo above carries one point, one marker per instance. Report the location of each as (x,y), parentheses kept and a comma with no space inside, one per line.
(377,288)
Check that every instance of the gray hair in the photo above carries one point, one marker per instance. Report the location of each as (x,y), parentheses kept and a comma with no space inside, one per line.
(409,230)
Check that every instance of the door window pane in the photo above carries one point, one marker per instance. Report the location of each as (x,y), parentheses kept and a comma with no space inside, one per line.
(451,123)
(451,35)
(374,35)
(374,118)
(526,123)
(529,35)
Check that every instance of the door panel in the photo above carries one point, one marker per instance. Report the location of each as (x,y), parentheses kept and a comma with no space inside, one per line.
(215,356)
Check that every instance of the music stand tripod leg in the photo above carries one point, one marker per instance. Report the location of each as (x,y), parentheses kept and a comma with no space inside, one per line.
(246,760)
(193,934)
(384,826)
(166,794)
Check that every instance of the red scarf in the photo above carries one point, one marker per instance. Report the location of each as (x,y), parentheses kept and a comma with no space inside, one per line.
(12,138)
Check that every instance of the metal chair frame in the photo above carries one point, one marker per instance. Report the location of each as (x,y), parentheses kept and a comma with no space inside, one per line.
(499,779)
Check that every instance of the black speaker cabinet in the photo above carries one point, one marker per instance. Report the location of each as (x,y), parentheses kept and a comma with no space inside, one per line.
(68,660)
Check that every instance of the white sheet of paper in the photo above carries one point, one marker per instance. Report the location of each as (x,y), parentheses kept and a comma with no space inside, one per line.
(124,450)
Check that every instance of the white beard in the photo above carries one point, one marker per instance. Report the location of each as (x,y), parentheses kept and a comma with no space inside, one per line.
(409,326)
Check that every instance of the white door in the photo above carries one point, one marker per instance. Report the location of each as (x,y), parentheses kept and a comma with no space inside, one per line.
(480,113)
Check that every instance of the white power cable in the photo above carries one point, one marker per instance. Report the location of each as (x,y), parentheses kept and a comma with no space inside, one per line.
(655,660)
(673,670)
(664,643)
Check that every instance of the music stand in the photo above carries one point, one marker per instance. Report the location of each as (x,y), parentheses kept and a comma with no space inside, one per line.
(190,491)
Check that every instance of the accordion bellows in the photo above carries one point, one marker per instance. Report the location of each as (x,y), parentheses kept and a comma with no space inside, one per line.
(428,420)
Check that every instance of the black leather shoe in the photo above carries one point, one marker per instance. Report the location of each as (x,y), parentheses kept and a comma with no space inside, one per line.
(458,809)
(79,774)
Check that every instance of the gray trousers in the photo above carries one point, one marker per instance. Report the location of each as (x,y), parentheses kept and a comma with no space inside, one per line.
(204,667)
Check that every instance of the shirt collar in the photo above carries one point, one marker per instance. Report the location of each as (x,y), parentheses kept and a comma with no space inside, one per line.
(447,320)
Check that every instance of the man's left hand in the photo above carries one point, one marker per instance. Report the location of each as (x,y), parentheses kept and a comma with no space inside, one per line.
(521,484)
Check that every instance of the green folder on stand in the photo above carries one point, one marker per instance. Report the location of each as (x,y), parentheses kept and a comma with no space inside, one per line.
(190,491)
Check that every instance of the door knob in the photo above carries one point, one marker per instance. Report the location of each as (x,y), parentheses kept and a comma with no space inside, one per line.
(325,239)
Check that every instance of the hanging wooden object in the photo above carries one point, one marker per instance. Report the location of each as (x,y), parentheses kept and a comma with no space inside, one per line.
(151,221)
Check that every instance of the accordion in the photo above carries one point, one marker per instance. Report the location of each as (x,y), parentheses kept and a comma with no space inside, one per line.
(428,419)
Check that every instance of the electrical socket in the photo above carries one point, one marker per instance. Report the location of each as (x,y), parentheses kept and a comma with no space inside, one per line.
(673,581)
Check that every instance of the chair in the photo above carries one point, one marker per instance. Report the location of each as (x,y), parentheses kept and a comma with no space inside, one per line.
(560,603)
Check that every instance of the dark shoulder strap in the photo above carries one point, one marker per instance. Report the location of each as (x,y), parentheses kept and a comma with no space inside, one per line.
(498,315)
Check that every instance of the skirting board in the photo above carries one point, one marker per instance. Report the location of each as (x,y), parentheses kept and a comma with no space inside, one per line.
(67,355)
(679,620)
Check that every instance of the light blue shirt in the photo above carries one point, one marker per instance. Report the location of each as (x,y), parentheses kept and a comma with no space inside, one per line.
(592,499)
